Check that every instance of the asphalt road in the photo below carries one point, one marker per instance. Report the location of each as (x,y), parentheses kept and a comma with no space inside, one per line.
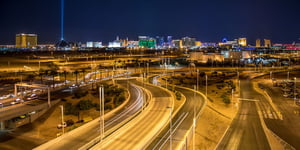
(288,128)
(12,111)
(84,136)
(182,122)
(245,132)
(138,132)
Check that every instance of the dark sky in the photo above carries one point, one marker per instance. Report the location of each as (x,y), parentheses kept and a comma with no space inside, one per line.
(103,20)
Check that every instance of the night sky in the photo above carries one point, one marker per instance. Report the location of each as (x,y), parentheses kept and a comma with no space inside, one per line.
(103,20)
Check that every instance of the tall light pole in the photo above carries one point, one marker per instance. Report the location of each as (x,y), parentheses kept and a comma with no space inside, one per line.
(206,86)
(143,93)
(62,118)
(239,88)
(197,80)
(101,111)
(288,75)
(39,66)
(295,90)
(194,119)
(232,95)
(171,109)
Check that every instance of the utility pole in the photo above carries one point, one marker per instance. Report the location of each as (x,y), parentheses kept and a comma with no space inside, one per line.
(101,111)
(171,109)
(206,86)
(62,118)
(194,119)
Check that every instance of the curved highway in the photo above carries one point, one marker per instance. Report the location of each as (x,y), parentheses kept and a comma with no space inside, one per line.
(84,135)
(137,133)
(182,121)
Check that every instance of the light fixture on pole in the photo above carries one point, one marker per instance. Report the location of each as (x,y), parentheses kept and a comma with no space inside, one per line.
(197,80)
(171,109)
(295,90)
(206,86)
(101,111)
(194,119)
(62,119)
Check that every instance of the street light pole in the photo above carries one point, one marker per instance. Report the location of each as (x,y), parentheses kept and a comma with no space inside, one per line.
(206,86)
(170,126)
(101,105)
(194,119)
(295,90)
(143,94)
(39,66)
(102,112)
(232,95)
(197,80)
(62,118)
(239,88)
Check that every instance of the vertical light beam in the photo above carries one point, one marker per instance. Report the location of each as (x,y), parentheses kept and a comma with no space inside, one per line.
(62,20)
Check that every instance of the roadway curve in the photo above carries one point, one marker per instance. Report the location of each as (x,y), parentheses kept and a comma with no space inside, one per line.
(182,121)
(84,135)
(246,132)
(137,133)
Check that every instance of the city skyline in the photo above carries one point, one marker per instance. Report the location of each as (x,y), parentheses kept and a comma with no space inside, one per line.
(103,21)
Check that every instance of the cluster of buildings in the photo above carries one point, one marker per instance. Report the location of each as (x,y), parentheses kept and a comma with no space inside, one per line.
(30,41)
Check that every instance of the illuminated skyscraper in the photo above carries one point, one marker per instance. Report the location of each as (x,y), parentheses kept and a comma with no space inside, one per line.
(242,41)
(177,43)
(188,42)
(160,41)
(257,43)
(267,42)
(26,40)
(198,43)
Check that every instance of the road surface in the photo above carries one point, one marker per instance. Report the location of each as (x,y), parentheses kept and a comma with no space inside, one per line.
(85,135)
(137,133)
(246,131)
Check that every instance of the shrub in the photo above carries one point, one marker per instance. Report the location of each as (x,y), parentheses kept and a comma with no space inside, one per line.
(178,95)
(71,110)
(226,99)
(107,99)
(85,104)
(80,93)
(107,107)
(119,100)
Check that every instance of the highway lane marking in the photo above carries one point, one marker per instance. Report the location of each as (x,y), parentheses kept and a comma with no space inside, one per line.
(234,142)
(177,124)
(130,125)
